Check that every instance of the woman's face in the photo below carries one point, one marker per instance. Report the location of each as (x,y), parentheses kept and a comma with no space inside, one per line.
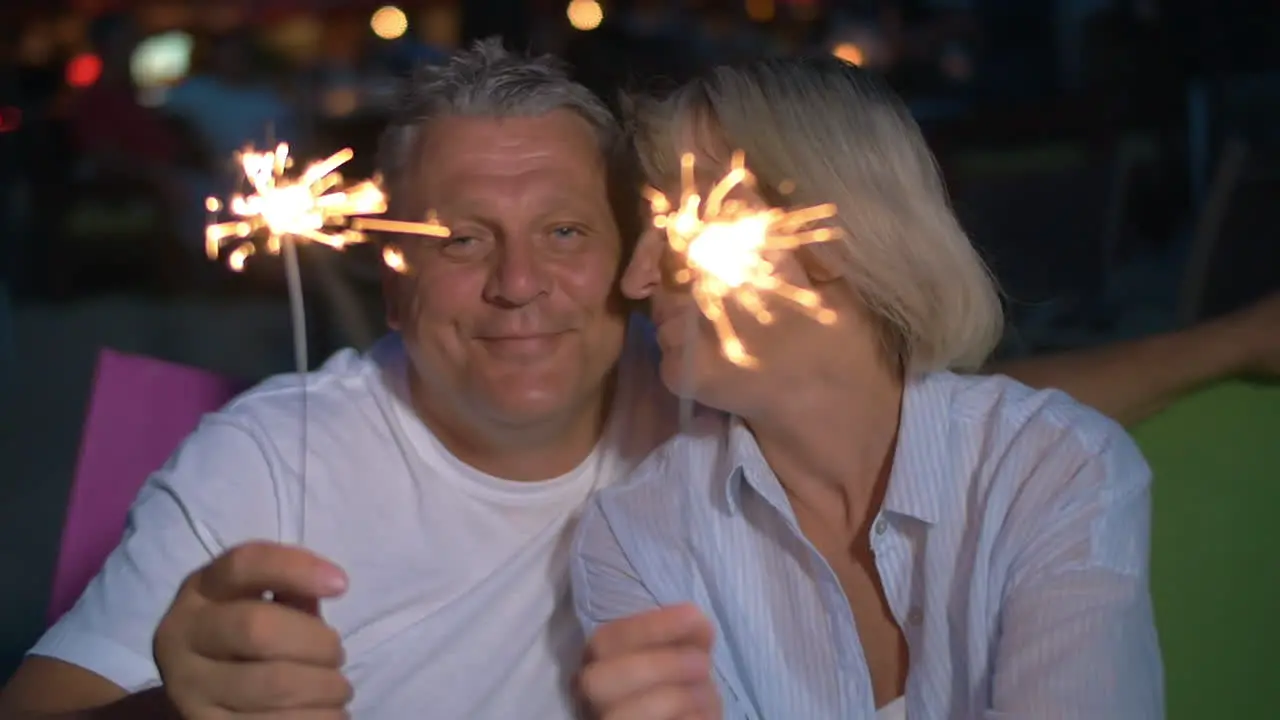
(693,362)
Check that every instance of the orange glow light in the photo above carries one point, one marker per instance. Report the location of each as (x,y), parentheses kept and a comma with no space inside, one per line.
(849,53)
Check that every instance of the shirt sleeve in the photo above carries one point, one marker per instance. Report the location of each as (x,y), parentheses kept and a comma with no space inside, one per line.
(1077,632)
(606,587)
(216,491)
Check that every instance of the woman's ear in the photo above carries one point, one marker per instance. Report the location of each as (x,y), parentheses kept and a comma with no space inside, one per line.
(823,262)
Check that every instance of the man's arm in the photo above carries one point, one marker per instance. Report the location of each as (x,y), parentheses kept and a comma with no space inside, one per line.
(1130,381)
(216,491)
(79,689)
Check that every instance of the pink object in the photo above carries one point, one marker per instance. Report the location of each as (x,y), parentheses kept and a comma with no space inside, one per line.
(140,409)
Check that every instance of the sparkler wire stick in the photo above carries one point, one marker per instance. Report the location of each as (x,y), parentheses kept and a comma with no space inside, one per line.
(298,320)
(686,377)
(313,206)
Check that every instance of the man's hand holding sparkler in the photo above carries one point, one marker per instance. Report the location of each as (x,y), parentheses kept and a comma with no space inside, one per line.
(224,651)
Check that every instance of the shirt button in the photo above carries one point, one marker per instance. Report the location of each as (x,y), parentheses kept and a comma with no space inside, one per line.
(916,616)
(881,526)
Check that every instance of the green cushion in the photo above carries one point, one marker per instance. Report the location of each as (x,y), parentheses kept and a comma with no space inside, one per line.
(1216,550)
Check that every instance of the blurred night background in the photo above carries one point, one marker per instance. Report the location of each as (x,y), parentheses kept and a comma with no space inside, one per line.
(1111,159)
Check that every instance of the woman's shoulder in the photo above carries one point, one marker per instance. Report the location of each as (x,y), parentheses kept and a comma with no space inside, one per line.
(1004,407)
(1018,434)
(1040,451)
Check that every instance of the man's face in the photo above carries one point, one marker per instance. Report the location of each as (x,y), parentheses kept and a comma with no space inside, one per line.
(514,318)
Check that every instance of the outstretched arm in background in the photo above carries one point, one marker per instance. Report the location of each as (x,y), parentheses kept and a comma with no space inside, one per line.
(1132,380)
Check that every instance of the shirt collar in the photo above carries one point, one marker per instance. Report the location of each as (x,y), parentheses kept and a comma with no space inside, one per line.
(920,483)
(743,463)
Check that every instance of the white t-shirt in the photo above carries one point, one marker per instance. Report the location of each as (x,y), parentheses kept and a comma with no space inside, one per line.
(458,601)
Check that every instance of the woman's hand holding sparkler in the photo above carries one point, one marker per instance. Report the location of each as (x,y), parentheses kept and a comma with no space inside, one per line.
(224,651)
(655,665)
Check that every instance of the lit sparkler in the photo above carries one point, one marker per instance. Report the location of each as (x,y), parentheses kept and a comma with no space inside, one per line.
(725,243)
(314,206)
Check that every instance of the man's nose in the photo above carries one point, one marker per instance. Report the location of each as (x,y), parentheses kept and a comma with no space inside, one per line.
(518,276)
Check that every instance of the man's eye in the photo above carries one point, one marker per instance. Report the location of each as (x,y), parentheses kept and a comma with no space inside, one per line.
(461,246)
(566,232)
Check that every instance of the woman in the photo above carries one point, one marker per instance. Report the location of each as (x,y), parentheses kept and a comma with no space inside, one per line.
(870,534)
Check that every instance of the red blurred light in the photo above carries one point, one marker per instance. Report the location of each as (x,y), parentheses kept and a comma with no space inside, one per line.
(84,70)
(10,119)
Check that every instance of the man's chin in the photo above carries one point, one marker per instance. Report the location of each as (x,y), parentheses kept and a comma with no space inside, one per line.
(529,401)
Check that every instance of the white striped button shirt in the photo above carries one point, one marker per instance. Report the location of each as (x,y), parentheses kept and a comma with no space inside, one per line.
(1012,546)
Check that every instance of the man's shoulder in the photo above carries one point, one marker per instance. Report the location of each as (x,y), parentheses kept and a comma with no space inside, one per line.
(346,384)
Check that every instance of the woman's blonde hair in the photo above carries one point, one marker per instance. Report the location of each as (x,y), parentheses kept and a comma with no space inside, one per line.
(834,134)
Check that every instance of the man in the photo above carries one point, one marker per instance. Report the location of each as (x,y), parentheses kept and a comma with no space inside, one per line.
(444,469)
(444,472)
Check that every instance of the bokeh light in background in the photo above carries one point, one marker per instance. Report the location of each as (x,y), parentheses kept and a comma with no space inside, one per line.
(389,22)
(440,25)
(70,31)
(159,17)
(36,45)
(10,119)
(221,16)
(761,10)
(298,38)
(849,52)
(339,102)
(84,70)
(161,61)
(863,44)
(585,14)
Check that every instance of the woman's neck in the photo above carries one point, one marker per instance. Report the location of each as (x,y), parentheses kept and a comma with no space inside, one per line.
(830,439)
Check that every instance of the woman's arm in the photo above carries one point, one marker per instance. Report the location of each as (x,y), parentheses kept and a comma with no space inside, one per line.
(605,585)
(642,660)
(1077,632)
(1130,381)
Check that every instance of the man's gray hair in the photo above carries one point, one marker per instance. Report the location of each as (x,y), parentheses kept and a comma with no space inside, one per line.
(487,81)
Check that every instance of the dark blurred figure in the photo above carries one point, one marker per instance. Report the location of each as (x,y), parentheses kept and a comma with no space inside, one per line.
(111,128)
(10,156)
(226,103)
(40,155)
(116,219)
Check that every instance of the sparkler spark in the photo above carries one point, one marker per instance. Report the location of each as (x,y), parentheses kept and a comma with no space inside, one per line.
(724,243)
(313,206)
